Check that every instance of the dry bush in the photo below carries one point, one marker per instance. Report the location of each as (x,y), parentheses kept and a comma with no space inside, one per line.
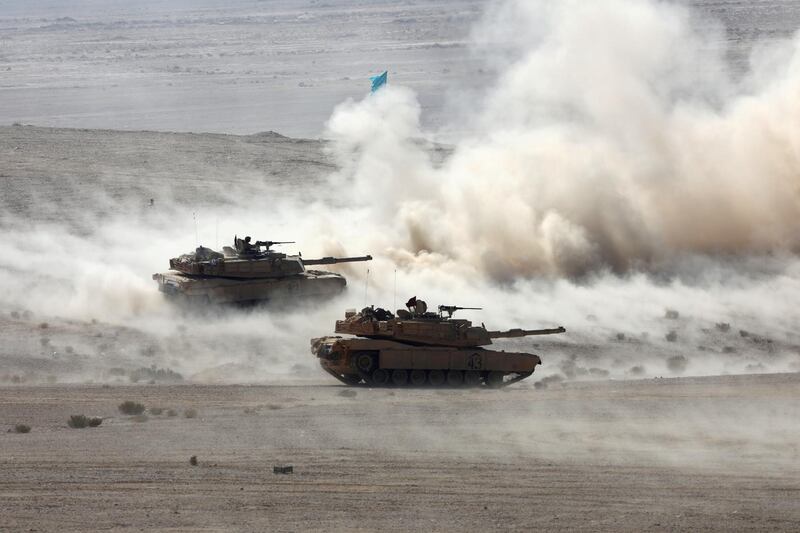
(78,421)
(172,412)
(131,408)
(140,418)
(22,428)
(190,413)
(95,421)
(677,364)
(153,374)
(156,410)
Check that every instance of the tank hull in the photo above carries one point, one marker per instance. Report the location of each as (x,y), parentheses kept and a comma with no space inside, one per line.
(310,285)
(388,362)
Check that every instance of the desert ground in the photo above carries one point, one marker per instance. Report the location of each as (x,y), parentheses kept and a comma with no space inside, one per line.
(712,454)
(131,133)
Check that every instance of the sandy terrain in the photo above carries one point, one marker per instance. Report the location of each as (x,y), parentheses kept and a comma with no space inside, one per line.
(713,454)
(669,405)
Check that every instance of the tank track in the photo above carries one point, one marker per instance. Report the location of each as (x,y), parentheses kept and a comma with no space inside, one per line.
(449,379)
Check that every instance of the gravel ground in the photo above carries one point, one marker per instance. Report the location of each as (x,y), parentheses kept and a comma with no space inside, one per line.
(566,459)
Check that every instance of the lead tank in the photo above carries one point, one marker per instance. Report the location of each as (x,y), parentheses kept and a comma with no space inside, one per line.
(249,272)
(417,347)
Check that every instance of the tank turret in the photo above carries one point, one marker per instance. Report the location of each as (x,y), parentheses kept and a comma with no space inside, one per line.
(417,346)
(249,272)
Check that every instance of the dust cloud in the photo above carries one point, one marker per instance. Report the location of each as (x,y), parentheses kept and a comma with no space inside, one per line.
(614,140)
(615,171)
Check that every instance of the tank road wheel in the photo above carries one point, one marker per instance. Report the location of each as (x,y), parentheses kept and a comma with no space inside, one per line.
(455,378)
(417,378)
(436,377)
(380,377)
(472,378)
(365,362)
(399,377)
(494,379)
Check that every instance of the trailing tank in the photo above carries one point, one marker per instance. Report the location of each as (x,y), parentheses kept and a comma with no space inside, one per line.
(417,347)
(249,272)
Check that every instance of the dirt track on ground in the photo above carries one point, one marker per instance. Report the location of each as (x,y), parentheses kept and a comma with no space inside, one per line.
(634,456)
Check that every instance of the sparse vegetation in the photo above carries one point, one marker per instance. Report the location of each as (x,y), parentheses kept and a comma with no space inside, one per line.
(193,460)
(637,370)
(154,374)
(22,428)
(78,421)
(156,410)
(140,418)
(671,314)
(44,325)
(172,412)
(677,364)
(131,408)
(723,326)
(672,336)
(95,421)
(190,413)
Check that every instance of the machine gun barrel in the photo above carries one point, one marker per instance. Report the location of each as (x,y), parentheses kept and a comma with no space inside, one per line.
(450,309)
(524,332)
(271,243)
(334,260)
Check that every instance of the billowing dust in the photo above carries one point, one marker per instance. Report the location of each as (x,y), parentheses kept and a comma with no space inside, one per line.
(616,180)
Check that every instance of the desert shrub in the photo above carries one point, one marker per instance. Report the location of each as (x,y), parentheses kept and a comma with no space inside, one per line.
(193,460)
(672,336)
(44,325)
(671,314)
(156,410)
(677,363)
(140,418)
(637,370)
(22,428)
(172,412)
(190,413)
(131,408)
(78,421)
(154,374)
(95,421)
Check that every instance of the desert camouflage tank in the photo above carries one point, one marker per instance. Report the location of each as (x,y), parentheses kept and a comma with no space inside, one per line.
(417,347)
(249,273)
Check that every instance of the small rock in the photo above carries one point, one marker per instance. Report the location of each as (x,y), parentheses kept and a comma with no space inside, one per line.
(286,469)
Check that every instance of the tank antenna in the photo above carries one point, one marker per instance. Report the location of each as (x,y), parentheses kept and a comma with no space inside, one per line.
(216,234)
(366,286)
(394,302)
(196,238)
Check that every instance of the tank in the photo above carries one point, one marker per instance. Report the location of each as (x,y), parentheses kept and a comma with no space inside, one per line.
(248,273)
(416,347)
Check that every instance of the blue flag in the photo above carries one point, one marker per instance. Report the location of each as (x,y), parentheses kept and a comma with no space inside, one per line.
(379,80)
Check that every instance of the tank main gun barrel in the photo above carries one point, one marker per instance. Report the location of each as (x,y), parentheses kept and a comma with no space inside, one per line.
(334,260)
(524,332)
